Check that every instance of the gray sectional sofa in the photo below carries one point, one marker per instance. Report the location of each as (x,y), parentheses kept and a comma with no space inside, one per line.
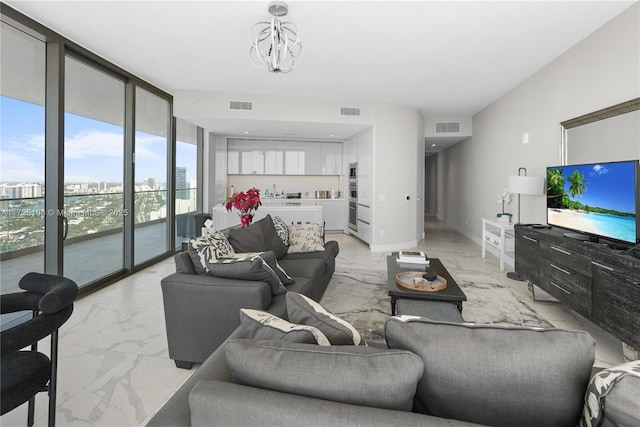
(434,371)
(201,310)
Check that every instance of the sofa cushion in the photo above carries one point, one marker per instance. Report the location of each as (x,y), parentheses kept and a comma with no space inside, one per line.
(613,397)
(308,268)
(208,248)
(248,239)
(261,325)
(358,375)
(282,230)
(494,375)
(304,310)
(252,266)
(270,258)
(272,240)
(305,238)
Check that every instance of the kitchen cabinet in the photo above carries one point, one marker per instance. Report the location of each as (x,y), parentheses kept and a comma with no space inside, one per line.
(293,159)
(333,212)
(364,222)
(600,283)
(331,158)
(312,157)
(269,157)
(365,166)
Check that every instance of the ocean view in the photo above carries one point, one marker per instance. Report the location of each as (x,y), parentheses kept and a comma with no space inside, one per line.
(620,228)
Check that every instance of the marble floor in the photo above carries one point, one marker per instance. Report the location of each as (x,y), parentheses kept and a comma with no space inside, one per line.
(114,368)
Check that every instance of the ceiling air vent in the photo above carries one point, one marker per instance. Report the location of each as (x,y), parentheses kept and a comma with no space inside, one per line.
(349,111)
(241,105)
(453,127)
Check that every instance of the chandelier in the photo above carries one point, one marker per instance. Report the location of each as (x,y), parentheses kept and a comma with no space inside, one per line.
(275,45)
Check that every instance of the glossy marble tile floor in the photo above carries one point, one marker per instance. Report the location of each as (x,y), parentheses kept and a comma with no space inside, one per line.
(114,368)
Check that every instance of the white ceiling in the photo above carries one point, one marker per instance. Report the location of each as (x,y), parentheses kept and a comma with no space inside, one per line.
(445,58)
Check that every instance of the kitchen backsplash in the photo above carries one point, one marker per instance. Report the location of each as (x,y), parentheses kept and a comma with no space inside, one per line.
(305,184)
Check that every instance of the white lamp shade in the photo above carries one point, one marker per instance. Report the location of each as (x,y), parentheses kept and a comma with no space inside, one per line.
(523,184)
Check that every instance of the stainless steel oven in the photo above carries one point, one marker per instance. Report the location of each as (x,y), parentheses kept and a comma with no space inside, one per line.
(353,172)
(353,191)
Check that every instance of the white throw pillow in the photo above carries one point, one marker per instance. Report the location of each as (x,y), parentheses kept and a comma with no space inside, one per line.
(305,238)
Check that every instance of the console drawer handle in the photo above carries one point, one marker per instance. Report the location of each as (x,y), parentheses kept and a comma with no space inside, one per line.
(603,266)
(561,288)
(560,269)
(530,239)
(561,250)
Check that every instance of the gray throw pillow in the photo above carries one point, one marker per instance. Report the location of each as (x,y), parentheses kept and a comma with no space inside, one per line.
(304,310)
(260,325)
(270,258)
(305,238)
(272,241)
(250,266)
(248,239)
(206,249)
(358,375)
(282,230)
(497,376)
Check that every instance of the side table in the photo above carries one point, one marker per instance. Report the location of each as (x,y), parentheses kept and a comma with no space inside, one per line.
(495,234)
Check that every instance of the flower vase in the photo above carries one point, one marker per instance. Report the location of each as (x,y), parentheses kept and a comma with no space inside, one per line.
(246,219)
(504,219)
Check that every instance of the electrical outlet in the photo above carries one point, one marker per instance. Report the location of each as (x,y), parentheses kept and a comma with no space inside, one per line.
(525,138)
(382,232)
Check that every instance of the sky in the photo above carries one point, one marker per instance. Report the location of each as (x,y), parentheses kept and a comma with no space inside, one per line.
(93,149)
(609,186)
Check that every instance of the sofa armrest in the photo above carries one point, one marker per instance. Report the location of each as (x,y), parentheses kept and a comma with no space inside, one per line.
(202,311)
(228,404)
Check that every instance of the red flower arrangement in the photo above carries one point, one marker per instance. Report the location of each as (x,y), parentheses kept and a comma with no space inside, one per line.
(246,203)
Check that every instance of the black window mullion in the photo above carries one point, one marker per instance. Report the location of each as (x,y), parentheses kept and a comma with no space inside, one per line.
(54,160)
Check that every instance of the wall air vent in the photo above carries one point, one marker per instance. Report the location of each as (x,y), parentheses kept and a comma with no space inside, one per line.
(349,111)
(241,105)
(452,127)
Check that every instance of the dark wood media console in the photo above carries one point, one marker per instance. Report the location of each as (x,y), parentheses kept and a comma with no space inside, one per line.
(600,283)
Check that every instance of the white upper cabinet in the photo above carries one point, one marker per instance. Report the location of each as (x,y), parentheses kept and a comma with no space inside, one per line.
(293,160)
(331,158)
(268,157)
(312,153)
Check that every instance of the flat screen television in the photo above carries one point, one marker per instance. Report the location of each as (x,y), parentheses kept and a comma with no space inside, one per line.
(596,200)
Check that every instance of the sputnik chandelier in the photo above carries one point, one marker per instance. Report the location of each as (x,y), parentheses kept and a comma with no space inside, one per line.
(275,45)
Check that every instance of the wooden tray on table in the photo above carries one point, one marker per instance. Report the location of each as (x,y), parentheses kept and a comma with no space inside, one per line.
(406,280)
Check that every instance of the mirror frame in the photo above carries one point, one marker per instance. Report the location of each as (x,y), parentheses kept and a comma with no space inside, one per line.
(605,113)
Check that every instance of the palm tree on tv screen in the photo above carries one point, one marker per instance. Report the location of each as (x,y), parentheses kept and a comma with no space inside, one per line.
(555,187)
(578,182)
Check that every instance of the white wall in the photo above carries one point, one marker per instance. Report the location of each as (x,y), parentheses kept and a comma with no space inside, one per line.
(600,71)
(396,129)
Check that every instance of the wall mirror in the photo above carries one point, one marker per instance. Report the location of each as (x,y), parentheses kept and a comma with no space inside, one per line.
(606,135)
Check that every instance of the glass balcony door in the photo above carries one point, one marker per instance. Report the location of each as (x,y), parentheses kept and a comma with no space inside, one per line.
(22,156)
(151,174)
(94,144)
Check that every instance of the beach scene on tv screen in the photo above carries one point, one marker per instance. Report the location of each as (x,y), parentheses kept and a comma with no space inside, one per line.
(598,199)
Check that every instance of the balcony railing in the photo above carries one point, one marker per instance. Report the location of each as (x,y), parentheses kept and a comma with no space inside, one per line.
(95,224)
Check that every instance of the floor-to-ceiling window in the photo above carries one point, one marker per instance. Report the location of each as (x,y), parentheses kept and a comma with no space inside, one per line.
(22,131)
(151,175)
(106,138)
(93,172)
(186,180)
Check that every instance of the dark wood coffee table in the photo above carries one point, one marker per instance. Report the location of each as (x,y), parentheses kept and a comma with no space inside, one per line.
(452,293)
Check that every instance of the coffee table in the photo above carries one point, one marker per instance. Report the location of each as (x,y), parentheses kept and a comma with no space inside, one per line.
(452,293)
